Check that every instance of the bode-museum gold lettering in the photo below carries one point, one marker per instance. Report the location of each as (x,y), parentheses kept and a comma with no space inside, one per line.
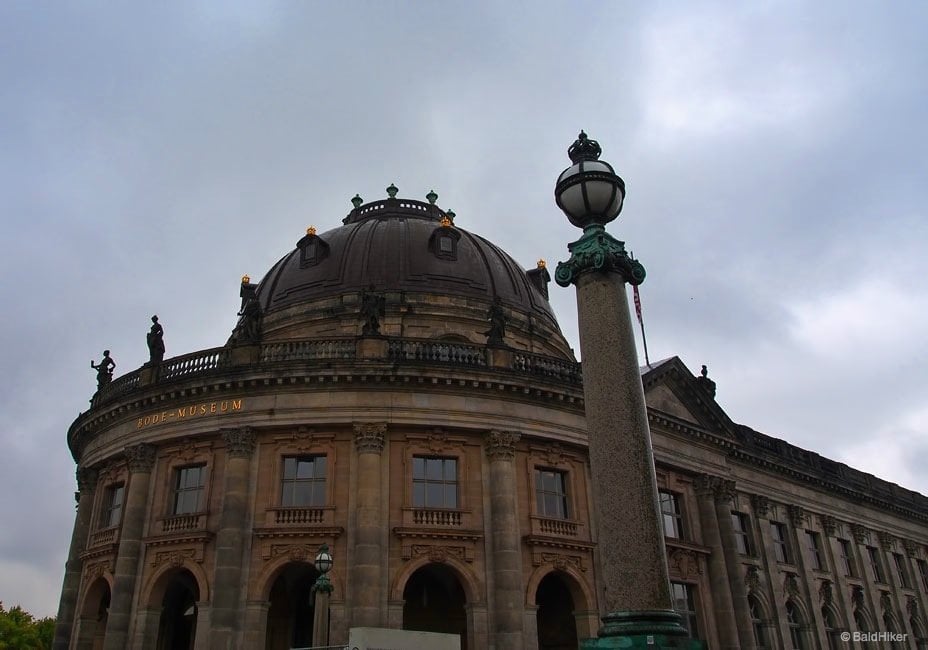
(193,410)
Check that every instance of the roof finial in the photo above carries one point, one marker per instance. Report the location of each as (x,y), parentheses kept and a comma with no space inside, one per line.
(357,201)
(246,279)
(392,190)
(451,215)
(311,231)
(542,264)
(431,197)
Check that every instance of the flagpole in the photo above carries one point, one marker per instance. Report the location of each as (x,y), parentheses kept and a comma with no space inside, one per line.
(644,340)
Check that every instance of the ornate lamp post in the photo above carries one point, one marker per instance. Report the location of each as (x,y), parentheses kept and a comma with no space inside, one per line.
(635,599)
(322,589)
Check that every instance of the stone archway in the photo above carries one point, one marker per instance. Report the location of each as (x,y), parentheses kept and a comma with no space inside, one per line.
(434,601)
(291,607)
(94,615)
(556,623)
(177,626)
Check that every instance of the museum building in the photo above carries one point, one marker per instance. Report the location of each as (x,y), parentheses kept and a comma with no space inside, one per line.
(398,389)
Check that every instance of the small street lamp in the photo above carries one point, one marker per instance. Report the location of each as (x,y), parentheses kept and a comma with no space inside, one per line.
(323,589)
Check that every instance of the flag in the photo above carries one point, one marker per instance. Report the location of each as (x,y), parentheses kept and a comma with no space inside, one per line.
(637,304)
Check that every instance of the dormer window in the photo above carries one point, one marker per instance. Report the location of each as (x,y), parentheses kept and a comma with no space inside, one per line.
(444,241)
(313,249)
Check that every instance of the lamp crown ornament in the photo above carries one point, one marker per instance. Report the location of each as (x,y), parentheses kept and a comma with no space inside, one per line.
(584,149)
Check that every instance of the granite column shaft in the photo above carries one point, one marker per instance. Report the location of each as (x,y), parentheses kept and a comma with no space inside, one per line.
(724,495)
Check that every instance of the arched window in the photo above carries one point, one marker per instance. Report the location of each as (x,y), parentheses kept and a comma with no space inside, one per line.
(758,623)
(832,632)
(795,623)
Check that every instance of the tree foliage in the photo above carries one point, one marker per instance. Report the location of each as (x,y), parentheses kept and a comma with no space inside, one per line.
(20,630)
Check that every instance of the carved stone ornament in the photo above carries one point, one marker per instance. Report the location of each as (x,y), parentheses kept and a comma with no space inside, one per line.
(685,563)
(791,585)
(141,457)
(911,606)
(752,578)
(829,525)
(240,443)
(555,454)
(559,561)
(438,553)
(887,541)
(859,532)
(761,505)
(369,437)
(825,592)
(704,485)
(501,444)
(724,491)
(173,558)
(438,441)
(911,548)
(86,479)
(886,603)
(857,597)
(797,516)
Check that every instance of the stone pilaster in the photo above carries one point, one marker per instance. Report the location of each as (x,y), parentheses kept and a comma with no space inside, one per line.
(719,579)
(367,560)
(141,460)
(508,589)
(724,494)
(64,625)
(230,539)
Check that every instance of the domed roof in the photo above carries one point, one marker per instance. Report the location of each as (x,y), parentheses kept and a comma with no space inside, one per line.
(406,246)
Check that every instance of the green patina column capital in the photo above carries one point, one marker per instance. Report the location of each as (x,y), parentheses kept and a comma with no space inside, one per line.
(599,251)
(323,584)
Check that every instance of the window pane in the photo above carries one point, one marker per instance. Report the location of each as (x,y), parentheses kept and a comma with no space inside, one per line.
(451,496)
(418,468)
(289,468)
(304,468)
(320,466)
(433,496)
(418,495)
(433,469)
(451,469)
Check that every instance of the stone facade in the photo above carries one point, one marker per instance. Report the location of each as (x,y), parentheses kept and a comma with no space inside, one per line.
(451,481)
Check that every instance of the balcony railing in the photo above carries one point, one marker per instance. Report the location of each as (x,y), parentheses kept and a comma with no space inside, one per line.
(436,352)
(195,363)
(104,536)
(555,527)
(181,523)
(308,350)
(300,516)
(433,517)
(535,364)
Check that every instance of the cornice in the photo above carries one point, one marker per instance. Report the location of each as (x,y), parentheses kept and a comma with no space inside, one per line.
(463,535)
(558,542)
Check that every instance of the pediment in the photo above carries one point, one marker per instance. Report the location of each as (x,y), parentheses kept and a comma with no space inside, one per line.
(672,390)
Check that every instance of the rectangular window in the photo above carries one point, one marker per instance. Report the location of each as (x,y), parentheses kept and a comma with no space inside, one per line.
(189,489)
(923,572)
(780,542)
(551,493)
(434,482)
(111,514)
(874,554)
(671,514)
(739,522)
(685,606)
(303,482)
(847,558)
(900,569)
(814,544)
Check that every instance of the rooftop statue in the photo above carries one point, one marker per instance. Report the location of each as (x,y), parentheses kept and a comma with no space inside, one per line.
(373,307)
(156,341)
(248,329)
(497,320)
(104,369)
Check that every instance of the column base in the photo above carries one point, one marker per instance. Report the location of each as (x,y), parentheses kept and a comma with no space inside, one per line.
(649,629)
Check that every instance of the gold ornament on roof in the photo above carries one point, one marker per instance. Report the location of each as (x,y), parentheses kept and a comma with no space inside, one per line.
(246,279)
(446,222)
(311,230)
(542,264)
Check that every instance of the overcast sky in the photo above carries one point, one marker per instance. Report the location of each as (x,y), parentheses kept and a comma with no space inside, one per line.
(775,153)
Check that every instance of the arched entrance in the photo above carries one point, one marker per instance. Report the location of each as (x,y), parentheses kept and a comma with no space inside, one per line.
(434,602)
(177,629)
(557,627)
(290,615)
(94,615)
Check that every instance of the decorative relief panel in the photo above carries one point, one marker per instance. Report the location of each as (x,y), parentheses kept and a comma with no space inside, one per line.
(860,533)
(501,444)
(797,516)
(760,504)
(437,553)
(829,525)
(684,563)
(141,457)
(559,561)
(174,557)
(240,442)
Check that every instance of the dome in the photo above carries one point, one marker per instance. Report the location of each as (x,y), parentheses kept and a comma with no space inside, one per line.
(414,254)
